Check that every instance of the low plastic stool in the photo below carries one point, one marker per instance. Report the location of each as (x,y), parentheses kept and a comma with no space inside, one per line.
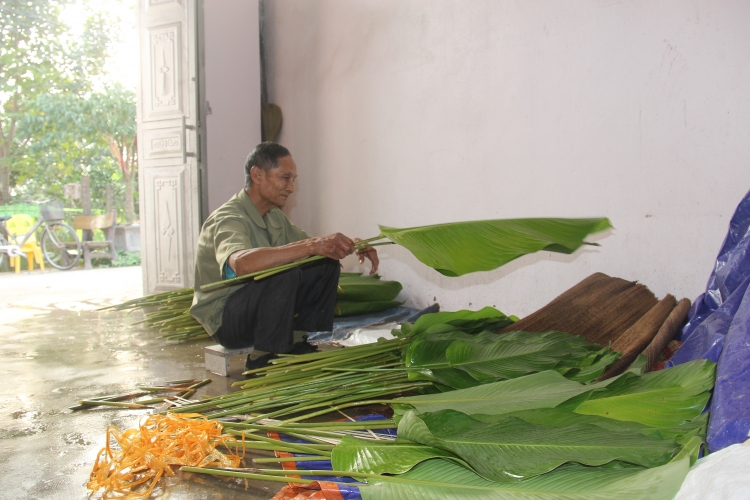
(217,358)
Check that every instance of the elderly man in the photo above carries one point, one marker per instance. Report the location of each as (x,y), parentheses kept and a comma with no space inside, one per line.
(250,233)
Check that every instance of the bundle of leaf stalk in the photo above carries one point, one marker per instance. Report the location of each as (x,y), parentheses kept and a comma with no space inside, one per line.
(356,294)
(481,415)
(452,249)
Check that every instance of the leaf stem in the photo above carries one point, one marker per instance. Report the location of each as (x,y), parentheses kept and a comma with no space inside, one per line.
(248,475)
(258,275)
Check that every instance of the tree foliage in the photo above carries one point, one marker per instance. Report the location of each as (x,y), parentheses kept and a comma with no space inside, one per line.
(72,135)
(113,114)
(41,56)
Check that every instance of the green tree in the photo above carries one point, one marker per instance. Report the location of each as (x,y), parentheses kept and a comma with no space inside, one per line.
(72,135)
(113,114)
(60,147)
(40,55)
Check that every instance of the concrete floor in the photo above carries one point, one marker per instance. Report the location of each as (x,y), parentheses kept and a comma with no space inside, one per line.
(57,349)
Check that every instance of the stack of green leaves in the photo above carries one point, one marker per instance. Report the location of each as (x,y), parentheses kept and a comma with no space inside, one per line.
(310,384)
(470,322)
(171,316)
(538,432)
(356,294)
(361,294)
(541,436)
(301,387)
(458,355)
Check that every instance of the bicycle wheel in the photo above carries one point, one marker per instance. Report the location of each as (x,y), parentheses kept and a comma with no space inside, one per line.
(61,246)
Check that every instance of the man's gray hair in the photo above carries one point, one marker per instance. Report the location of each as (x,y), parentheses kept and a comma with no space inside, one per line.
(265,156)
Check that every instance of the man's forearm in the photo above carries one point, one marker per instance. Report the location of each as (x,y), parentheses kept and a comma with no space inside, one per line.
(259,259)
(334,246)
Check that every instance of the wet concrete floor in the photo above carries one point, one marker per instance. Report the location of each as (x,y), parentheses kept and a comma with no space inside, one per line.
(57,349)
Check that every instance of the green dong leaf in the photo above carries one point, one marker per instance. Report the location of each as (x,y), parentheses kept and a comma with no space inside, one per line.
(459,360)
(366,288)
(383,457)
(487,318)
(511,449)
(459,248)
(446,480)
(350,307)
(661,399)
(545,389)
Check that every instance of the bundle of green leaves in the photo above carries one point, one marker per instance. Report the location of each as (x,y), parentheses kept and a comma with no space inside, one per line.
(542,431)
(362,294)
(301,387)
(356,294)
(460,350)
(541,436)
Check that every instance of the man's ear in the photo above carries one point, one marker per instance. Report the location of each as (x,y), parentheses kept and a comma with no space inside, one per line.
(256,174)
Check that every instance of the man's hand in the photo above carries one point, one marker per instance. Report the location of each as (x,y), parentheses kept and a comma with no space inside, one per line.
(371,254)
(334,246)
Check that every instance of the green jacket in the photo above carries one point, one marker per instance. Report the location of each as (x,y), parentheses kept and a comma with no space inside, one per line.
(236,225)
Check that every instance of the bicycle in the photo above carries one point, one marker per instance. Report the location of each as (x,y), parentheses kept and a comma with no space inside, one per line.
(60,244)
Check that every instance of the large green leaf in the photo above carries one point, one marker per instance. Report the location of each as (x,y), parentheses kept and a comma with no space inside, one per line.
(383,457)
(450,378)
(684,432)
(591,367)
(351,307)
(466,247)
(366,288)
(488,357)
(664,398)
(487,318)
(558,417)
(396,457)
(511,449)
(540,390)
(428,349)
(445,480)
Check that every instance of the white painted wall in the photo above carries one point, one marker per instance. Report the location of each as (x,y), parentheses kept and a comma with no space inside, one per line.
(412,112)
(232,75)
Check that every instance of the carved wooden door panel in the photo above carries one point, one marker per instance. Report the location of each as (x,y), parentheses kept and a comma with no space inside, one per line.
(168,180)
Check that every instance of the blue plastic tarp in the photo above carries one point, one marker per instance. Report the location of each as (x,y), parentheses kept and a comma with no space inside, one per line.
(719,329)
(731,270)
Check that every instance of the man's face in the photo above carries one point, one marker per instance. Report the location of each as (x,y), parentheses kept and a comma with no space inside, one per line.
(276,184)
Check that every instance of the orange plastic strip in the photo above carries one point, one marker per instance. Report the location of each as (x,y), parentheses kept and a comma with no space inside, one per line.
(145,454)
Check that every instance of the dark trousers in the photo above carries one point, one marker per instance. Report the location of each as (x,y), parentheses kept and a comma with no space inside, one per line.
(265,313)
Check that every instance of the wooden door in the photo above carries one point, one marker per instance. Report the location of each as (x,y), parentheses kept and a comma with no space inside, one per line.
(168,143)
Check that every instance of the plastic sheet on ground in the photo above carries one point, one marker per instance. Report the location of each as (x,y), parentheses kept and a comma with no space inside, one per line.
(342,327)
(719,329)
(370,334)
(719,476)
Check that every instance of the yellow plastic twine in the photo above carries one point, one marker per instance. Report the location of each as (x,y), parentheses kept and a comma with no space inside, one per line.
(146,454)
